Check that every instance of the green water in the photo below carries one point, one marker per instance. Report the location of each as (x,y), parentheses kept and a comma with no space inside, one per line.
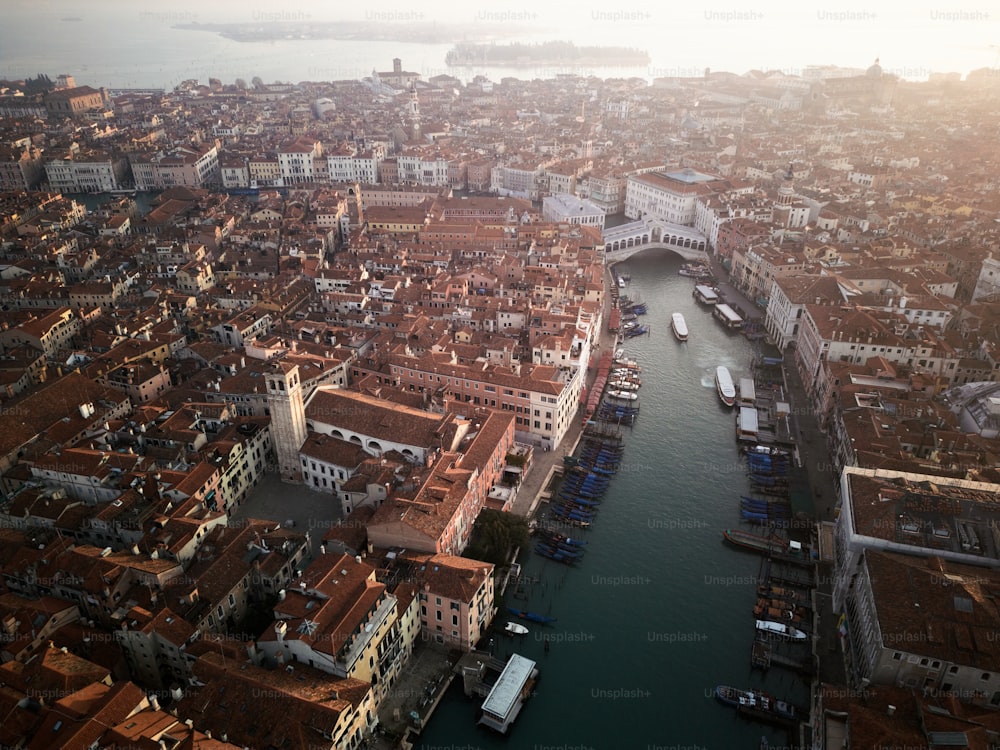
(659,610)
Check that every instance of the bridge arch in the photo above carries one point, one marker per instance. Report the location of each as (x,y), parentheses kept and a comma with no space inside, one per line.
(626,240)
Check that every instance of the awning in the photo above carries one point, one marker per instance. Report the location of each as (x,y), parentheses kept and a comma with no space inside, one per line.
(513,469)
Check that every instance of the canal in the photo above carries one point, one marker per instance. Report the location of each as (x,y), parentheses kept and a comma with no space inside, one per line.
(659,611)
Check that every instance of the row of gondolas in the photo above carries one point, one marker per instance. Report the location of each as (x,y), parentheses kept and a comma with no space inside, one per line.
(768,503)
(585,481)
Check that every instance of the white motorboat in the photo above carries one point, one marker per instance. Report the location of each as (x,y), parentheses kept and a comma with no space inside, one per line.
(679,326)
(781,629)
(624,385)
(515,628)
(724,384)
(623,395)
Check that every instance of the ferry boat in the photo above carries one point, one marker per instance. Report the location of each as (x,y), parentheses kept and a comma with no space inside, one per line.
(680,326)
(757,704)
(694,270)
(724,385)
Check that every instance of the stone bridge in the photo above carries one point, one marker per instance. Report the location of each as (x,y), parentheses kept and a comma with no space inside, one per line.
(624,241)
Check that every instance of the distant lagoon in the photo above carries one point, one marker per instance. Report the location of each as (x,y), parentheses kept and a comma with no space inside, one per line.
(144,49)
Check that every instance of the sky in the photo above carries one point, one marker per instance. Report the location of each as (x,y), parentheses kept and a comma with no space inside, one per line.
(911,40)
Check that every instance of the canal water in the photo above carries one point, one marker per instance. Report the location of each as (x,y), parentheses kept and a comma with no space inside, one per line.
(659,611)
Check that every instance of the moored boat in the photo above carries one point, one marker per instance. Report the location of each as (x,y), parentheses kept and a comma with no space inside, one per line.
(624,385)
(693,270)
(724,385)
(515,628)
(678,324)
(781,629)
(757,704)
(531,616)
(561,538)
(623,395)
(777,547)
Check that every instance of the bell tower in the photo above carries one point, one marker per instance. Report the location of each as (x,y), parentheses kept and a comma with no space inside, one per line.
(413,111)
(288,418)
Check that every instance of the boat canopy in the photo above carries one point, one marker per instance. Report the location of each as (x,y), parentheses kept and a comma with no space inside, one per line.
(748,425)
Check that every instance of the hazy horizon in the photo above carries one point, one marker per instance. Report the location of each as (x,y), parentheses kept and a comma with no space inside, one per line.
(133,43)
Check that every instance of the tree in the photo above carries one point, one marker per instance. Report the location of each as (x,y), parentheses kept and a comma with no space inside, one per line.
(256,82)
(496,535)
(241,84)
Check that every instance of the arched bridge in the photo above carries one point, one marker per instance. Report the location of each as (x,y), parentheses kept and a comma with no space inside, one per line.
(622,242)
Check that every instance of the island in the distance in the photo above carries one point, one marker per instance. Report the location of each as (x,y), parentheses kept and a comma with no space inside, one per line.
(544,53)
(357,31)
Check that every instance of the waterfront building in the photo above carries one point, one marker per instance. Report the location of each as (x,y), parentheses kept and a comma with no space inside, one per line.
(756,268)
(74,102)
(605,189)
(563,207)
(786,304)
(195,165)
(422,167)
(265,171)
(86,171)
(712,211)
(456,597)
(234,171)
(739,233)
(919,622)
(671,195)
(434,509)
(883,714)
(914,514)
(298,160)
(543,398)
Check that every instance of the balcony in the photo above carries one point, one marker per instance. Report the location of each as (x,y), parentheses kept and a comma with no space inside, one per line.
(349,655)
